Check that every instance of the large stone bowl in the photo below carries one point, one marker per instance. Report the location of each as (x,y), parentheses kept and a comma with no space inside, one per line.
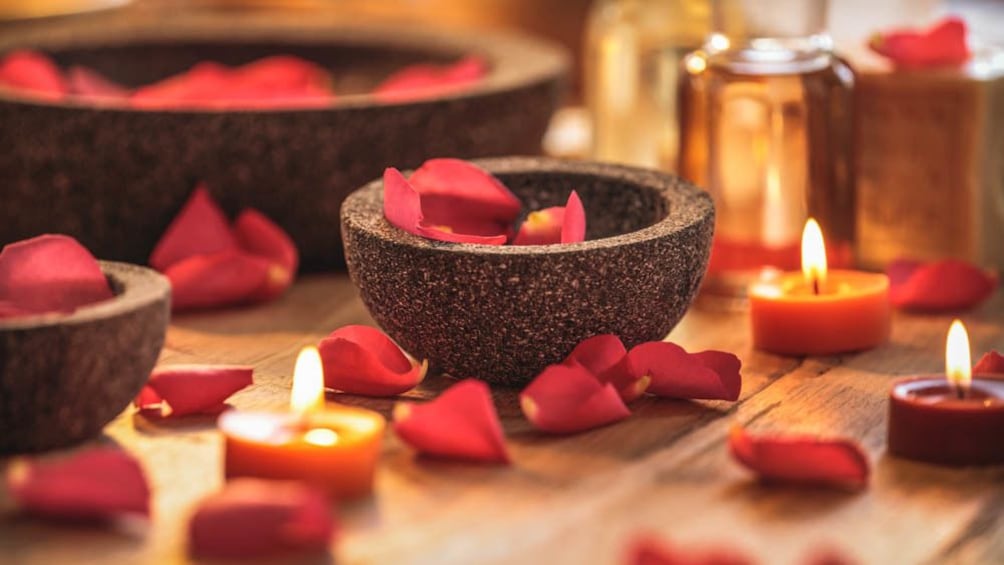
(114,177)
(502,314)
(63,377)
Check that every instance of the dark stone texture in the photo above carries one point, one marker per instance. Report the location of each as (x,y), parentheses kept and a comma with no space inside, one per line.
(62,378)
(504,313)
(114,177)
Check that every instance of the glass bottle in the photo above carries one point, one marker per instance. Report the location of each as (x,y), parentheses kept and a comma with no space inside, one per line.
(632,69)
(766,127)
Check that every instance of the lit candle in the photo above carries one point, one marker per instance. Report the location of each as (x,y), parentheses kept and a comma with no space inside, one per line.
(951,419)
(818,311)
(335,448)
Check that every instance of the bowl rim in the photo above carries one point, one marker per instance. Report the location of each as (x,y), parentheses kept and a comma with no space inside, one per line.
(675,190)
(141,287)
(516,60)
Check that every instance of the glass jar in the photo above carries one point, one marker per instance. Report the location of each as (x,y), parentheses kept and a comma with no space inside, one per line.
(632,69)
(767,128)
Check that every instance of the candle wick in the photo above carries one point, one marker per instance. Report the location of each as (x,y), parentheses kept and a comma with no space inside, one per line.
(815,286)
(960,391)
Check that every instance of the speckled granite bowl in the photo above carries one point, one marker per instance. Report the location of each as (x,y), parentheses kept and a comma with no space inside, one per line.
(63,377)
(504,313)
(115,177)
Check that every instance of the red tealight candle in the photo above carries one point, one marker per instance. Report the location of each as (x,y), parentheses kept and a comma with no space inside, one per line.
(958,420)
(819,312)
(332,447)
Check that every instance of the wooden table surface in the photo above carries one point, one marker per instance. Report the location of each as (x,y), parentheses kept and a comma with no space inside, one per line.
(576,499)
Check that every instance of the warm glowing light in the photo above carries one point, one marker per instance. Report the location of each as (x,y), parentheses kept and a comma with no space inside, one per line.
(308,382)
(695,64)
(321,436)
(958,362)
(813,255)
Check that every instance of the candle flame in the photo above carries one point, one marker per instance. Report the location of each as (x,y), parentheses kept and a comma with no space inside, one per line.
(308,382)
(813,254)
(958,362)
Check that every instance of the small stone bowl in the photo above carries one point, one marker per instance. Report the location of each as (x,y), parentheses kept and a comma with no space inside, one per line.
(502,314)
(63,377)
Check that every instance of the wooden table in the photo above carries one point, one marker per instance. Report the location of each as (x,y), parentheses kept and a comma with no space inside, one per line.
(577,499)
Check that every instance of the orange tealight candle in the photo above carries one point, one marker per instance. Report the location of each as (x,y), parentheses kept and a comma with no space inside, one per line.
(334,448)
(819,312)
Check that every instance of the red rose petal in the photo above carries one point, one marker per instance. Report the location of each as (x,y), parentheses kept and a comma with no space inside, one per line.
(801,459)
(710,375)
(573,227)
(363,360)
(194,389)
(92,484)
(605,357)
(32,71)
(568,398)
(283,72)
(541,227)
(942,45)
(649,550)
(259,235)
(486,197)
(200,228)
(202,82)
(253,518)
(459,424)
(10,310)
(947,285)
(403,209)
(417,81)
(227,278)
(89,83)
(991,362)
(50,273)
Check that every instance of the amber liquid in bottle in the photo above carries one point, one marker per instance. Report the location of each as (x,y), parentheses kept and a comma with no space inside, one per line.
(772,148)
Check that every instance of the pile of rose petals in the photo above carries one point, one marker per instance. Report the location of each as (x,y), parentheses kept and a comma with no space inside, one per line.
(363,360)
(213,264)
(426,80)
(590,388)
(253,518)
(49,273)
(182,390)
(456,201)
(946,285)
(461,423)
(992,362)
(94,484)
(944,44)
(801,459)
(279,81)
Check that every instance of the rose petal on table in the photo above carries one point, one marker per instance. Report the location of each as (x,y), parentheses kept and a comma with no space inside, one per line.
(944,44)
(991,362)
(194,389)
(461,423)
(473,190)
(50,273)
(801,459)
(709,375)
(88,83)
(364,360)
(403,209)
(650,550)
(34,72)
(421,80)
(227,278)
(946,285)
(260,236)
(90,484)
(253,518)
(200,228)
(606,357)
(568,398)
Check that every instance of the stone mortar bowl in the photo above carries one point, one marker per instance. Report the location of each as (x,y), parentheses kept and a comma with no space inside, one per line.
(502,314)
(114,177)
(63,377)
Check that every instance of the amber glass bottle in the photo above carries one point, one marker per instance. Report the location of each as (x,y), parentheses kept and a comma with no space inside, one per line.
(766,127)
